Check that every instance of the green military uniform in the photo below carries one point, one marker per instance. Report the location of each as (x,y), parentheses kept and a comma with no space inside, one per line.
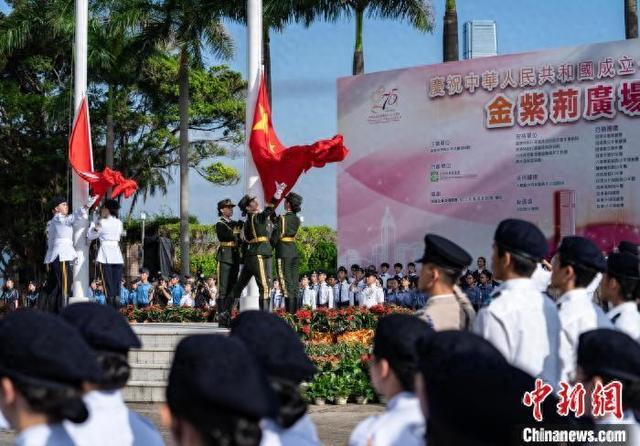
(283,238)
(228,257)
(257,256)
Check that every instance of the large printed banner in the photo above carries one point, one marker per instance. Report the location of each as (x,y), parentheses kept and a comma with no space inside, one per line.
(552,137)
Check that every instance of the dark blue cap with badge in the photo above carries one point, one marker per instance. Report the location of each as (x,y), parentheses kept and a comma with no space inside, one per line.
(609,353)
(395,340)
(102,327)
(217,372)
(623,265)
(443,252)
(473,391)
(582,252)
(42,348)
(521,238)
(275,344)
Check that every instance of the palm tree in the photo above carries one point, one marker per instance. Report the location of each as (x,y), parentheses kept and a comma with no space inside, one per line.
(190,27)
(450,34)
(631,18)
(419,13)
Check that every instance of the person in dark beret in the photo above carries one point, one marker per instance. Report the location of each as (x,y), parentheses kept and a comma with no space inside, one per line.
(217,393)
(43,364)
(620,288)
(258,250)
(574,267)
(470,395)
(520,321)
(110,262)
(283,239)
(60,251)
(110,421)
(392,369)
(604,356)
(228,255)
(282,357)
(447,307)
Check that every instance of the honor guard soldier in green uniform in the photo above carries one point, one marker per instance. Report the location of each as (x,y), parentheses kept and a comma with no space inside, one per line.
(257,258)
(283,238)
(228,257)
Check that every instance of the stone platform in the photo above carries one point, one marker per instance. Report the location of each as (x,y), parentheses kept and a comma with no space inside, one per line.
(150,364)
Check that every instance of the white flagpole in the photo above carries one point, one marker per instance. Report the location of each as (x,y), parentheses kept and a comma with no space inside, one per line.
(252,184)
(80,189)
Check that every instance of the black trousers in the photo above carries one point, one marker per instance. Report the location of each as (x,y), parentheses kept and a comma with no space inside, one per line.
(111,275)
(58,287)
(288,275)
(258,267)
(227,275)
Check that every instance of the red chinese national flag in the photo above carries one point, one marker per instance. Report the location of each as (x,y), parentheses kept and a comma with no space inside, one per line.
(275,162)
(81,159)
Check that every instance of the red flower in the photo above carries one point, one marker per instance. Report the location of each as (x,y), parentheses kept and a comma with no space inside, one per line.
(377,309)
(365,358)
(306,329)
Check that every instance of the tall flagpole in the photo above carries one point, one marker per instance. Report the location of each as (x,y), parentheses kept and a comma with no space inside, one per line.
(252,184)
(80,188)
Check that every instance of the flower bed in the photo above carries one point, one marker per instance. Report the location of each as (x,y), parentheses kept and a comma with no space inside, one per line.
(328,325)
(155,313)
(338,341)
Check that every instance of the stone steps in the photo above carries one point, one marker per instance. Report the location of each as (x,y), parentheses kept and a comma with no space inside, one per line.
(150,364)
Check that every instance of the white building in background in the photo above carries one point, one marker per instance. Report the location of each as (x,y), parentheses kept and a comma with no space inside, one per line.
(480,39)
(377,256)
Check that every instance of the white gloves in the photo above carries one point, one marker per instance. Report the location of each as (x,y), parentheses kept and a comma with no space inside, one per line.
(91,201)
(280,187)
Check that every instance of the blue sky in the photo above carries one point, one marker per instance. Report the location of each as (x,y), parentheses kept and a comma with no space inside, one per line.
(307,61)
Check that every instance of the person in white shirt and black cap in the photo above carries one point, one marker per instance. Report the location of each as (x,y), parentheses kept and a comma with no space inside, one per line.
(325,292)
(43,364)
(520,321)
(620,288)
(341,295)
(217,393)
(110,261)
(372,294)
(282,357)
(447,307)
(470,395)
(60,251)
(392,369)
(110,421)
(604,356)
(574,267)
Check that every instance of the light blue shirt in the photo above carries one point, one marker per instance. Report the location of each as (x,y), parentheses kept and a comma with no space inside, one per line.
(302,433)
(401,424)
(111,422)
(124,297)
(141,296)
(44,435)
(176,294)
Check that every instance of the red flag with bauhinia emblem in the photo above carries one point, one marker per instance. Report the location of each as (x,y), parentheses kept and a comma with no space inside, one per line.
(275,162)
(81,159)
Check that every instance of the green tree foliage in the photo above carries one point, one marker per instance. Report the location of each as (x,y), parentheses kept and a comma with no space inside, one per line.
(141,96)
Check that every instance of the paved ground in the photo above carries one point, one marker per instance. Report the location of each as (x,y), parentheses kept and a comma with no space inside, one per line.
(334,423)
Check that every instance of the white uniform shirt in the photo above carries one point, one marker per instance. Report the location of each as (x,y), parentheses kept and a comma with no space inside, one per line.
(625,317)
(109,233)
(372,295)
(384,277)
(110,423)
(325,295)
(44,435)
(356,292)
(401,424)
(60,237)
(341,293)
(186,300)
(524,325)
(309,297)
(577,314)
(302,433)
(541,278)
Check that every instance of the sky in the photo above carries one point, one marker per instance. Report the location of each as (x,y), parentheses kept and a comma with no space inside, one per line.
(307,61)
